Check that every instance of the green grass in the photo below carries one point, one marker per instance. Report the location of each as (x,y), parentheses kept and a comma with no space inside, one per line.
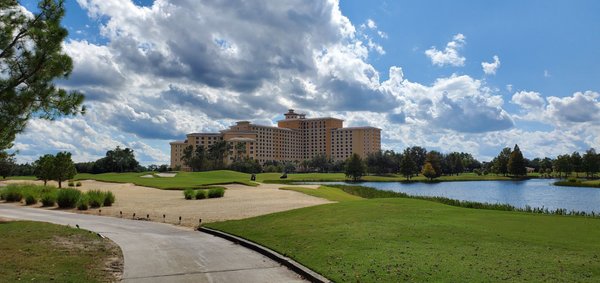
(182,180)
(42,252)
(337,177)
(400,239)
(579,183)
(28,178)
(329,193)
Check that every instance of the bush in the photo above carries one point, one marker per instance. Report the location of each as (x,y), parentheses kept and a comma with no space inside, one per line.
(96,198)
(572,180)
(216,193)
(189,193)
(71,184)
(200,194)
(83,202)
(48,199)
(78,184)
(30,200)
(68,198)
(12,194)
(109,198)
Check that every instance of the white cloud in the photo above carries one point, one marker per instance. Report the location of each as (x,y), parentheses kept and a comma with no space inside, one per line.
(528,99)
(371,24)
(547,74)
(490,68)
(582,107)
(450,55)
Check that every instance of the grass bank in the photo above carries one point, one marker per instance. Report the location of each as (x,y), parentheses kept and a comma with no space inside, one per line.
(42,252)
(402,239)
(341,177)
(579,183)
(326,192)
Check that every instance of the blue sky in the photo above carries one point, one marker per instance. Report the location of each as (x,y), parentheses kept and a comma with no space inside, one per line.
(153,71)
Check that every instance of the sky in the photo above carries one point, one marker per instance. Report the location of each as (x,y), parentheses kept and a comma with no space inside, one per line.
(471,76)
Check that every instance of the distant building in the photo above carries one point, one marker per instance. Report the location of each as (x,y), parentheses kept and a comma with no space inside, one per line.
(295,138)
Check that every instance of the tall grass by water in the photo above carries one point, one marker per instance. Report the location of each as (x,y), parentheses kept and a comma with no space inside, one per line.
(371,193)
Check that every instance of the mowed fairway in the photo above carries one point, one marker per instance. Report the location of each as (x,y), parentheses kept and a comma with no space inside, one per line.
(181,181)
(393,240)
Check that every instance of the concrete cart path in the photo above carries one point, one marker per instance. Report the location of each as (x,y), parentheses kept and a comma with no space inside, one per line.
(157,252)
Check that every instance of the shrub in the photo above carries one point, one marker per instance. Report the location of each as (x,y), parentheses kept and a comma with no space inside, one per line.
(96,198)
(78,184)
(30,200)
(109,198)
(216,193)
(12,194)
(200,194)
(572,180)
(48,199)
(189,193)
(71,184)
(68,198)
(83,202)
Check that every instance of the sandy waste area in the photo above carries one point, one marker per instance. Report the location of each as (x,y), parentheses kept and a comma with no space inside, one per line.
(239,202)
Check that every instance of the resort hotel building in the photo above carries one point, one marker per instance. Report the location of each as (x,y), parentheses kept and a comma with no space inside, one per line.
(295,138)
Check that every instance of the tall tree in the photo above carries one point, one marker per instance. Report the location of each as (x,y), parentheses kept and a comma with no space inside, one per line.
(434,159)
(591,162)
(428,171)
(7,164)
(44,168)
(355,168)
(501,161)
(516,163)
(562,164)
(63,168)
(407,165)
(117,160)
(240,150)
(217,152)
(577,163)
(31,59)
(418,155)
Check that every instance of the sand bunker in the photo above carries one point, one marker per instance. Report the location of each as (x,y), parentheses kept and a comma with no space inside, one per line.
(147,176)
(239,202)
(166,175)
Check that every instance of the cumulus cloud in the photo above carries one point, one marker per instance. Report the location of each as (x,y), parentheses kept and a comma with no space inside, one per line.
(450,55)
(528,100)
(582,107)
(490,68)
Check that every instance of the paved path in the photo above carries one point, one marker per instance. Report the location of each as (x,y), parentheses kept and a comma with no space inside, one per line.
(157,252)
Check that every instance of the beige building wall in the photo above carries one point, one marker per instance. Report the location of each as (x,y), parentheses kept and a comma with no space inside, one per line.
(295,138)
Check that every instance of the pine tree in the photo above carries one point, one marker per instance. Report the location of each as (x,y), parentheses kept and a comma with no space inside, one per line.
(516,163)
(355,168)
(31,60)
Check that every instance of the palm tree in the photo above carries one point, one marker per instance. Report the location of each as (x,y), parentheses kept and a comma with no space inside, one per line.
(240,149)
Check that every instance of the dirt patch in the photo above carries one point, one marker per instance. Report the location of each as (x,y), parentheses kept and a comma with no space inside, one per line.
(4,220)
(239,202)
(113,257)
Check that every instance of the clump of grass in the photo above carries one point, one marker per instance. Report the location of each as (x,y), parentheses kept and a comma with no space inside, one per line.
(201,194)
(216,192)
(68,198)
(109,198)
(96,198)
(83,202)
(30,200)
(71,184)
(189,193)
(12,194)
(48,199)
(78,184)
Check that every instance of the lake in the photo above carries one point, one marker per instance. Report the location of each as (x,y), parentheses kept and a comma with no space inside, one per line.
(533,192)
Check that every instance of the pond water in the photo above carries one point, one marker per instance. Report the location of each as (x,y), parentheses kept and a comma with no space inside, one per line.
(533,192)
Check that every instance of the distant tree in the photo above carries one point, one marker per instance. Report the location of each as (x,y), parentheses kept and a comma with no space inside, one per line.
(591,162)
(546,165)
(434,159)
(577,163)
(380,162)
(454,162)
(516,163)
(63,168)
(429,172)
(44,168)
(562,164)
(246,165)
(288,167)
(240,150)
(355,168)
(31,60)
(195,158)
(320,162)
(7,164)
(418,155)
(501,161)
(217,152)
(407,165)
